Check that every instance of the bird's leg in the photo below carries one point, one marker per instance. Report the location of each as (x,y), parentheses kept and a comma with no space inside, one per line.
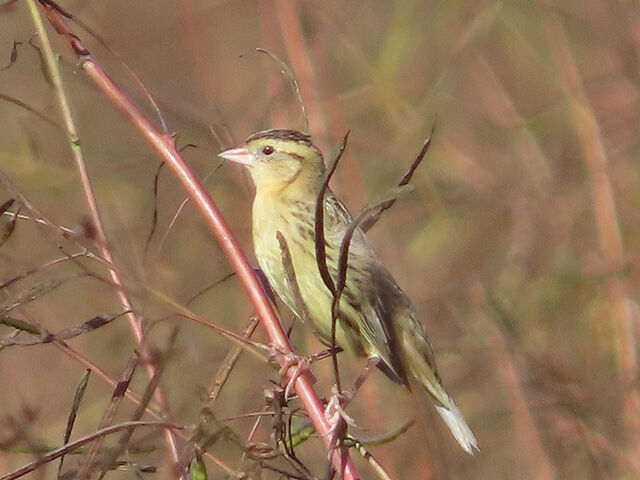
(338,421)
(334,411)
(294,366)
(346,396)
(371,364)
(298,363)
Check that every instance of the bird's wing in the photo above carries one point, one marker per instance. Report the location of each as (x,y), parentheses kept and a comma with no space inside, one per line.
(370,291)
(385,303)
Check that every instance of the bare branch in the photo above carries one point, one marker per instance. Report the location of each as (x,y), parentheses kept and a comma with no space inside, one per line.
(71,419)
(289,75)
(321,257)
(165,147)
(62,335)
(63,450)
(406,178)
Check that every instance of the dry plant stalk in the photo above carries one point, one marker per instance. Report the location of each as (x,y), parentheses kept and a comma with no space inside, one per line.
(164,145)
(92,205)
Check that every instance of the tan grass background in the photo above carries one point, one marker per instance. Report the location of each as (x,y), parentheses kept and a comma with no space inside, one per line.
(519,246)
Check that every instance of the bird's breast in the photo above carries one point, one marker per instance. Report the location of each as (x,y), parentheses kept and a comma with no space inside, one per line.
(295,221)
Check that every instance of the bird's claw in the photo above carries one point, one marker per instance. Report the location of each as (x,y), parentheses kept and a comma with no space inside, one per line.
(292,368)
(334,410)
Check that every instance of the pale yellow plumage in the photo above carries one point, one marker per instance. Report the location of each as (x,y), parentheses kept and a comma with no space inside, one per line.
(376,318)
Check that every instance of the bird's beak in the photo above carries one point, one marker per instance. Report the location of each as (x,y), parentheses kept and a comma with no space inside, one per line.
(238,155)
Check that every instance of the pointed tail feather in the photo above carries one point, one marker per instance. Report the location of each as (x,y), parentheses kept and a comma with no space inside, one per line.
(452,416)
(421,362)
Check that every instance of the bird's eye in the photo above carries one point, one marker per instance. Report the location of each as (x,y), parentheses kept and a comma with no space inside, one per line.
(268,150)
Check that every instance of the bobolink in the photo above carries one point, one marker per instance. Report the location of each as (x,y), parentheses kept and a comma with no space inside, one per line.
(376,319)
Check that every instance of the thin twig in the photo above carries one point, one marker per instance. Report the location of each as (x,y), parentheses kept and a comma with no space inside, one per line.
(230,360)
(286,71)
(6,206)
(254,347)
(300,60)
(74,143)
(383,439)
(34,327)
(321,257)
(221,377)
(30,109)
(196,295)
(146,92)
(320,245)
(62,335)
(18,324)
(63,450)
(10,227)
(36,291)
(368,212)
(13,57)
(71,419)
(368,456)
(139,411)
(406,178)
(64,231)
(154,216)
(110,412)
(340,429)
(183,204)
(165,147)
(44,266)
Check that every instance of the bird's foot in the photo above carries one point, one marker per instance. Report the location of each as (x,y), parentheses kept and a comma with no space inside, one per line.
(337,418)
(334,409)
(292,368)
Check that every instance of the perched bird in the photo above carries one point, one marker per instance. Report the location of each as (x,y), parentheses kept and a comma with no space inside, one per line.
(376,319)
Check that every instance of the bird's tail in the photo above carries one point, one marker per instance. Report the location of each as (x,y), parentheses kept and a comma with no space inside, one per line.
(420,359)
(458,426)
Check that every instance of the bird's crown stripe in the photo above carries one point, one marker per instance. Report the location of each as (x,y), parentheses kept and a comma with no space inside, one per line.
(283,134)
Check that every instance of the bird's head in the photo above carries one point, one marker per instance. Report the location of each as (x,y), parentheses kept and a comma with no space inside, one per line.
(279,161)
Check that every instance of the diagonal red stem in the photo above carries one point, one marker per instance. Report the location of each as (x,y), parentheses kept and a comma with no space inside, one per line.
(164,145)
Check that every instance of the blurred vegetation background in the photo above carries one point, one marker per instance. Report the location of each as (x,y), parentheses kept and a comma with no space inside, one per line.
(518,246)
